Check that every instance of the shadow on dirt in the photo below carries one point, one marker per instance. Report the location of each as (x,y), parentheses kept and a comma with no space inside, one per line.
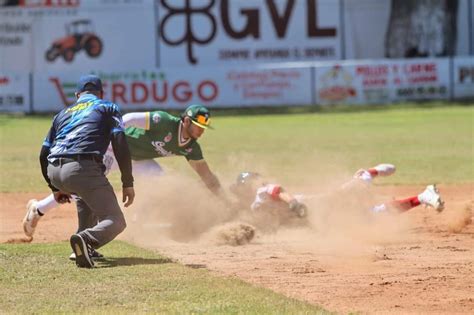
(130,261)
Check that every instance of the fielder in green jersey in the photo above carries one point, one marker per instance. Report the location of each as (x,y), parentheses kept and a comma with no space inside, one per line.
(163,135)
(151,135)
(158,134)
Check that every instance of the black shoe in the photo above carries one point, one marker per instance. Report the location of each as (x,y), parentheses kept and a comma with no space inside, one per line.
(82,250)
(95,255)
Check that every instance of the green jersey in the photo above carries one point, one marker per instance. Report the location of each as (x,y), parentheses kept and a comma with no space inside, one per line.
(161,137)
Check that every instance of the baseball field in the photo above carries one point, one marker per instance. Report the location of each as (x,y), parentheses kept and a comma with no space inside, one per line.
(185,252)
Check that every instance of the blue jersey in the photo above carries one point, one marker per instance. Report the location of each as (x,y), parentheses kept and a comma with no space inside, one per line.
(85,127)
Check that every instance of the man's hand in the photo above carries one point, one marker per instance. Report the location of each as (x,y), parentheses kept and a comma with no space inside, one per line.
(298,208)
(62,197)
(128,194)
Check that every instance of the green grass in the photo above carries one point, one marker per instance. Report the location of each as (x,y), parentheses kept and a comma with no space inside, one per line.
(432,144)
(428,144)
(38,278)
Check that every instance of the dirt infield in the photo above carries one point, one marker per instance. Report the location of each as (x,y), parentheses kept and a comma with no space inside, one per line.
(418,262)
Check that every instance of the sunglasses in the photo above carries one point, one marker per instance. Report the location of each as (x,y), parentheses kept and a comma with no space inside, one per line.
(202,119)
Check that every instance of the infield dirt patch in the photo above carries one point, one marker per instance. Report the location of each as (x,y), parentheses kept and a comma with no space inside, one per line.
(418,262)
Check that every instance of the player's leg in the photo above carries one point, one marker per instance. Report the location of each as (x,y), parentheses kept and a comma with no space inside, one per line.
(147,168)
(365,176)
(430,197)
(97,200)
(44,205)
(357,190)
(86,219)
(97,197)
(36,209)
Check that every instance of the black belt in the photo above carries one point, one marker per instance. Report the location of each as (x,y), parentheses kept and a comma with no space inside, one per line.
(76,158)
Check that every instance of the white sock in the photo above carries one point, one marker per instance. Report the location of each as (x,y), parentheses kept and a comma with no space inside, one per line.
(366,177)
(46,204)
(379,208)
(362,179)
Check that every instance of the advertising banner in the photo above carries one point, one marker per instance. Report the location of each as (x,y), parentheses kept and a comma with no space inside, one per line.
(175,88)
(77,35)
(382,81)
(97,37)
(225,32)
(16,40)
(14,92)
(463,77)
(73,35)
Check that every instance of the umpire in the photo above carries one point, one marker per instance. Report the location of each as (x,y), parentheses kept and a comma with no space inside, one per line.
(71,163)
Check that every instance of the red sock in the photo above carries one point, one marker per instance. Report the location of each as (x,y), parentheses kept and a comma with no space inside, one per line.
(373,172)
(406,204)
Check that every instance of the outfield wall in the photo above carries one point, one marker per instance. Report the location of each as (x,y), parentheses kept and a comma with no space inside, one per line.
(235,53)
(323,83)
(156,34)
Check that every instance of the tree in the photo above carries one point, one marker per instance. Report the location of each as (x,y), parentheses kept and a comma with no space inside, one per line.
(421,28)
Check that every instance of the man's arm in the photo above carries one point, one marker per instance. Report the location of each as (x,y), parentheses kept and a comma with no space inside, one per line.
(293,204)
(138,120)
(45,150)
(44,166)
(210,180)
(59,196)
(122,155)
(286,197)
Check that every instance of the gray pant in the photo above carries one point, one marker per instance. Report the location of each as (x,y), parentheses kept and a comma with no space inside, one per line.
(97,200)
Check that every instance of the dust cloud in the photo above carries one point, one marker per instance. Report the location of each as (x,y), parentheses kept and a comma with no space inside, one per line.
(179,208)
(457,220)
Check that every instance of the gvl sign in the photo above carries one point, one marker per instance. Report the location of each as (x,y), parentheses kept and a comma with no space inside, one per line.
(223,31)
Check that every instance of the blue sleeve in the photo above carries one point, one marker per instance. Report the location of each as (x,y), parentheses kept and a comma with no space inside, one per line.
(48,141)
(116,116)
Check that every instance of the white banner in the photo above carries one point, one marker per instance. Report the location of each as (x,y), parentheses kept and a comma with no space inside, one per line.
(86,35)
(14,92)
(225,32)
(463,80)
(16,40)
(382,81)
(175,88)
(77,35)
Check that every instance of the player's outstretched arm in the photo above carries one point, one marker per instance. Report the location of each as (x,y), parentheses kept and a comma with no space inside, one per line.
(293,204)
(138,120)
(286,197)
(210,180)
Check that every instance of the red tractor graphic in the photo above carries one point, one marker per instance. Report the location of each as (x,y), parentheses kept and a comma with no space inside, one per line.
(79,35)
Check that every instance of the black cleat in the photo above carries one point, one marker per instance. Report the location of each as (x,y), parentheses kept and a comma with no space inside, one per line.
(82,250)
(95,255)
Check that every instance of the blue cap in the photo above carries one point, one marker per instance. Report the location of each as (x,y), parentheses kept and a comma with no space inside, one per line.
(91,80)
